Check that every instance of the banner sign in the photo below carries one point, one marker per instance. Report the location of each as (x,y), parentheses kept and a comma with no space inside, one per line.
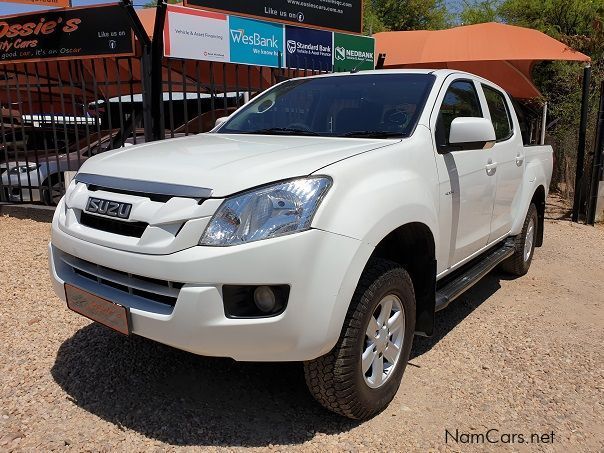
(207,35)
(341,15)
(353,52)
(308,49)
(67,33)
(255,42)
(55,3)
(196,35)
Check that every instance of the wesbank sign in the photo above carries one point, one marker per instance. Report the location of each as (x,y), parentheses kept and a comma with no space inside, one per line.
(256,42)
(256,39)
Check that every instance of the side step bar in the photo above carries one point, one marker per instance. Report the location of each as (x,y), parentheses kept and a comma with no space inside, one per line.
(472,275)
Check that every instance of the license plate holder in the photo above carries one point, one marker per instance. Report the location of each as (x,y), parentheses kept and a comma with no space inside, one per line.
(103,311)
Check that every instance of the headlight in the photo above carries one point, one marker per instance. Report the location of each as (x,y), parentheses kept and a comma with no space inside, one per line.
(23,169)
(267,212)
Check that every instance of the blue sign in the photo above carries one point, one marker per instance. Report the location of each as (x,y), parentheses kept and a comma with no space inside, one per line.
(255,42)
(308,49)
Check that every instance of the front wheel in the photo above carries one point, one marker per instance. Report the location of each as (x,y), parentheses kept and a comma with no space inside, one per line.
(360,376)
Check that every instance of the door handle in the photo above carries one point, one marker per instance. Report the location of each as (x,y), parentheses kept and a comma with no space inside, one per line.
(519,160)
(491,167)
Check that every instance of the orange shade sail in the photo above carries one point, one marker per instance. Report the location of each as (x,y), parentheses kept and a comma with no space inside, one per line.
(504,54)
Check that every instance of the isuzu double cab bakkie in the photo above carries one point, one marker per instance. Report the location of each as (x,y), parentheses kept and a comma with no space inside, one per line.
(325,221)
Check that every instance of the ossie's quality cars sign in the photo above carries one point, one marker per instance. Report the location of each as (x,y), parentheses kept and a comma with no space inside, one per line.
(98,31)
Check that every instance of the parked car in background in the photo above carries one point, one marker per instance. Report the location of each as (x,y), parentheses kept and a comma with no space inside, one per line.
(45,176)
(326,221)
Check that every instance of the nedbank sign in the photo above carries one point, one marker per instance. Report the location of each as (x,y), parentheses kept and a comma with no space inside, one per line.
(353,52)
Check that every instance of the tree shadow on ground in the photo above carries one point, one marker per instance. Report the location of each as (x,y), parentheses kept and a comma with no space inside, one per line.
(183,399)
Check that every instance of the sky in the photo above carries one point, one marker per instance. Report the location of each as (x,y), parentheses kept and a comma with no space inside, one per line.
(17,8)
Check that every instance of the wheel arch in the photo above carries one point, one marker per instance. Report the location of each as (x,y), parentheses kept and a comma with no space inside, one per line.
(413,247)
(538,200)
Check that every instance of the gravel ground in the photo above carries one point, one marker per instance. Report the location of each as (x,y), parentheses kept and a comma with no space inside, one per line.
(518,356)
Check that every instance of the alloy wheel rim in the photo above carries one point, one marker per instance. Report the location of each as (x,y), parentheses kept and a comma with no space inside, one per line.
(384,335)
(528,241)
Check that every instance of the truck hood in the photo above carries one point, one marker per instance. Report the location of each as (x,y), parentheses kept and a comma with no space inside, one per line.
(227,163)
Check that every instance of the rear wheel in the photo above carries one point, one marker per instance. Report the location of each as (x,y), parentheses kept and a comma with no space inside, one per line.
(360,376)
(519,263)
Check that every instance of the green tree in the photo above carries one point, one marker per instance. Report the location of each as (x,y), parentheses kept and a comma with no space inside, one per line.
(579,24)
(555,17)
(479,11)
(412,14)
(371,21)
(153,3)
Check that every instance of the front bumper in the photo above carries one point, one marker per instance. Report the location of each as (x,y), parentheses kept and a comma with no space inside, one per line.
(322,269)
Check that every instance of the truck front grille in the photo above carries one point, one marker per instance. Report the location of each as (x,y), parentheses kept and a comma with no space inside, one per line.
(131,229)
(162,291)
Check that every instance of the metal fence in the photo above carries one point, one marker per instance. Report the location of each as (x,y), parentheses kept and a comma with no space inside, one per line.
(58,113)
(55,114)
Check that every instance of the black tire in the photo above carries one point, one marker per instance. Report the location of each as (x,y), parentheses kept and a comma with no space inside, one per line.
(519,263)
(52,196)
(336,380)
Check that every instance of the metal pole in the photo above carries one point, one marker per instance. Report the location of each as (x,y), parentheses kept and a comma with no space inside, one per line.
(598,163)
(146,65)
(157,55)
(581,146)
(544,123)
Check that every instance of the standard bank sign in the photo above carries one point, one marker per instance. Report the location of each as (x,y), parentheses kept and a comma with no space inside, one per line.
(308,48)
(255,42)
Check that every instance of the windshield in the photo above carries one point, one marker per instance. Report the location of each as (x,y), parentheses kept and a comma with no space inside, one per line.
(364,106)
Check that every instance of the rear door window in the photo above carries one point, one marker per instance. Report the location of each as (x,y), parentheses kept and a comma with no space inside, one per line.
(500,114)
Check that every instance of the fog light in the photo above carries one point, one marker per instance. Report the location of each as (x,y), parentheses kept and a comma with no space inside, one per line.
(265,299)
(251,301)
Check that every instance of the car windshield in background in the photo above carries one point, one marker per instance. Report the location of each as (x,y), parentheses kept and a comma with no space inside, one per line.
(361,106)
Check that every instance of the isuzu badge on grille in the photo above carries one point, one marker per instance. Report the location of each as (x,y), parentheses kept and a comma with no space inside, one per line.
(109,208)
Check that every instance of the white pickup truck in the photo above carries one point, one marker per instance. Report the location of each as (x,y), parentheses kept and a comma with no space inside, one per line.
(326,221)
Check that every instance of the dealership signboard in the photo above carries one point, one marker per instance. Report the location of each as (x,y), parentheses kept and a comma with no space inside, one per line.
(353,52)
(341,15)
(66,33)
(308,49)
(211,36)
(55,3)
(196,35)
(255,42)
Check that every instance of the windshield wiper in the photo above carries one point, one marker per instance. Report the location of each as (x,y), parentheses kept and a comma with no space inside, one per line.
(373,134)
(282,131)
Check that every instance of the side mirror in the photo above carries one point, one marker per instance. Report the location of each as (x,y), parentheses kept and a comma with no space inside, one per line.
(221,120)
(471,131)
